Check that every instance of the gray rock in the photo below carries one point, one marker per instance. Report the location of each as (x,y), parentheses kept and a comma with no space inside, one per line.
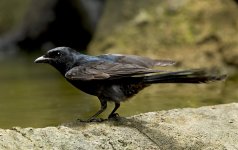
(210,127)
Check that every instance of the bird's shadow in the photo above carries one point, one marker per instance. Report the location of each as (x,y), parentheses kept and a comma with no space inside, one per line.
(147,129)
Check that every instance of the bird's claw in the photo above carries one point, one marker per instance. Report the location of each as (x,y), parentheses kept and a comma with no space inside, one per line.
(114,116)
(92,120)
(96,120)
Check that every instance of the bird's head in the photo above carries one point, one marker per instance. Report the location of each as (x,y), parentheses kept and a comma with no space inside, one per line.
(62,58)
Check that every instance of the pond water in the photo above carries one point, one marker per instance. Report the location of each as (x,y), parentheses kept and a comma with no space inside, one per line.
(36,95)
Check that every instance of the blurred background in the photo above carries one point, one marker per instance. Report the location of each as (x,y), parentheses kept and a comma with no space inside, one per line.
(197,34)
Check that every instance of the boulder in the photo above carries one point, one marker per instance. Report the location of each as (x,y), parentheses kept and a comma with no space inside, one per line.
(195,33)
(209,127)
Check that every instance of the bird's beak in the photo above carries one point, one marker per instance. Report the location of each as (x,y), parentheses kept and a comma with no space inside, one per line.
(42,59)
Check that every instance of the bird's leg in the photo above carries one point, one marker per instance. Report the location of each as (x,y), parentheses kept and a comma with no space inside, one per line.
(103,107)
(113,114)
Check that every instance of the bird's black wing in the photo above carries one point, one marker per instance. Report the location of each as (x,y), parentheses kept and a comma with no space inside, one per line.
(138,60)
(106,70)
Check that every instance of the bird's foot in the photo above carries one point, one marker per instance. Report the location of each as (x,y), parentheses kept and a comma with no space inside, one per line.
(92,120)
(96,120)
(114,116)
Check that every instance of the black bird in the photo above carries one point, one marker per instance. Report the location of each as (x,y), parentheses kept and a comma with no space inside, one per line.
(116,77)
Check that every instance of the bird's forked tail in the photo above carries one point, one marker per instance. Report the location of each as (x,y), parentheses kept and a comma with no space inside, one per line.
(187,76)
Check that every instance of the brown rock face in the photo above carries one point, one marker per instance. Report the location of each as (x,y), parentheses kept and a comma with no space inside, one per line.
(195,33)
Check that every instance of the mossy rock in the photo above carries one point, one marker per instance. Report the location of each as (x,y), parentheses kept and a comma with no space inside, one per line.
(195,33)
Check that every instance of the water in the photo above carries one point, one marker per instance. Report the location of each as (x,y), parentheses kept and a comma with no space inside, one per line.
(36,95)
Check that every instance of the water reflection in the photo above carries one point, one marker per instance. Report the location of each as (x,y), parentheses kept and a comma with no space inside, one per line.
(35,95)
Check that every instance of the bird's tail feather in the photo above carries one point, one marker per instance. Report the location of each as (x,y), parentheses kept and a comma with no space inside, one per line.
(187,76)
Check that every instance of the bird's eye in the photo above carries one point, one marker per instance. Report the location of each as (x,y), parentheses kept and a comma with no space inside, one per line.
(54,54)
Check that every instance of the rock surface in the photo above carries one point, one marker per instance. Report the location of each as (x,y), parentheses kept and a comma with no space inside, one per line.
(170,29)
(209,127)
